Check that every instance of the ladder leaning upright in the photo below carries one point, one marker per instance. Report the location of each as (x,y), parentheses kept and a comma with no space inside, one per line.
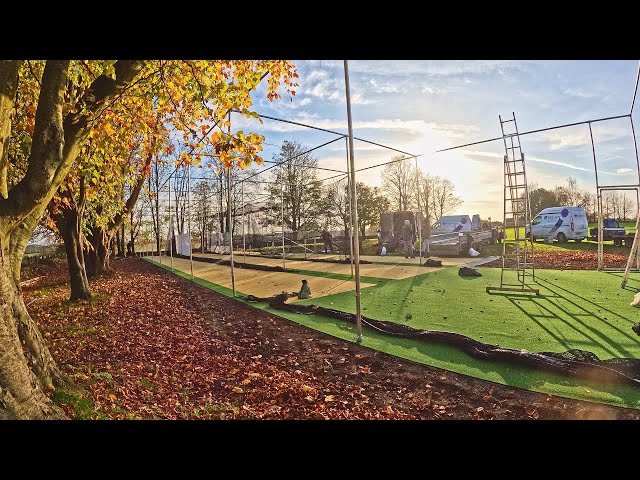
(516,207)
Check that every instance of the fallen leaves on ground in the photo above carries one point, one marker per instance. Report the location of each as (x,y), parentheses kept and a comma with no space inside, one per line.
(154,345)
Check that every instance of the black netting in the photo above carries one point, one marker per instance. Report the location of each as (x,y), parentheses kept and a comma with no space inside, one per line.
(346,260)
(576,363)
(220,261)
(268,268)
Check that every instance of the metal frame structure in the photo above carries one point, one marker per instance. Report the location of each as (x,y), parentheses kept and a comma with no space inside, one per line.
(599,188)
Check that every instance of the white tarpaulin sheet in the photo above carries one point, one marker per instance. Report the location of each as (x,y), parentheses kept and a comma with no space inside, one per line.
(183,245)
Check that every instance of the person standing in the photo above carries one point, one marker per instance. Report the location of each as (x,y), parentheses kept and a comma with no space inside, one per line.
(327,240)
(408,238)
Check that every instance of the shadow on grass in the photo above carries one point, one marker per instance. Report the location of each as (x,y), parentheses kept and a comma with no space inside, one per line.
(560,305)
(633,283)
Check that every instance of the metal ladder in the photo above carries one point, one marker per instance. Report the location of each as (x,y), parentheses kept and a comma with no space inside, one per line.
(515,196)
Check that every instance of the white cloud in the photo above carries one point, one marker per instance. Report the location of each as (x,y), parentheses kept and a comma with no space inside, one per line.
(326,87)
(385,87)
(582,93)
(432,67)
(529,158)
(413,127)
(563,138)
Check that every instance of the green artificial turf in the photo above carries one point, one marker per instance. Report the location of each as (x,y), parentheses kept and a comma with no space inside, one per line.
(576,309)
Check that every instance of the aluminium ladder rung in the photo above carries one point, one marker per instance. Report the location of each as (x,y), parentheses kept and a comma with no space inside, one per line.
(506,121)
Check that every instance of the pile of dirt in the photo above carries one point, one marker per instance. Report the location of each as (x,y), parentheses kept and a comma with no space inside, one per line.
(432,263)
(469,272)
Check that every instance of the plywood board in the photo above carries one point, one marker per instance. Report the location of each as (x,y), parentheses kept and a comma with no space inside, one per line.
(263,284)
(377,270)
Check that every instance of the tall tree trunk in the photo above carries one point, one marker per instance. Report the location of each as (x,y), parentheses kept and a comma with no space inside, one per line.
(21,388)
(68,220)
(68,223)
(132,234)
(121,243)
(98,256)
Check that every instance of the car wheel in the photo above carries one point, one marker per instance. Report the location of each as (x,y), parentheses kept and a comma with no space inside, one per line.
(562,238)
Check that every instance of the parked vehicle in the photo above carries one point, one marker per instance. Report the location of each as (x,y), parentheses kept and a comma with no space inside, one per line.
(456,234)
(561,223)
(453,223)
(611,230)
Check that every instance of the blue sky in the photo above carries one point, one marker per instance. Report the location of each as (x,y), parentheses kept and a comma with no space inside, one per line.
(423,106)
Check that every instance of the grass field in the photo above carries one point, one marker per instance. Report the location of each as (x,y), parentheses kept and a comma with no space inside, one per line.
(576,309)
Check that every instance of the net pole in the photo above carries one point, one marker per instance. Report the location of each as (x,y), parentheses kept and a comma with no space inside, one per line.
(230,229)
(189,218)
(284,262)
(159,237)
(244,221)
(419,214)
(159,231)
(346,143)
(354,204)
(599,199)
(170,226)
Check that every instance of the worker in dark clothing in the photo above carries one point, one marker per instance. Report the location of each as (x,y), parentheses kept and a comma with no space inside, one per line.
(327,240)
(408,238)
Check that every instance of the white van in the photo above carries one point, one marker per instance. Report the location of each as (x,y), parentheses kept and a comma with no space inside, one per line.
(562,223)
(452,223)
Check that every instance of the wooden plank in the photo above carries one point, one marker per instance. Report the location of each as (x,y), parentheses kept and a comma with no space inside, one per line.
(444,249)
